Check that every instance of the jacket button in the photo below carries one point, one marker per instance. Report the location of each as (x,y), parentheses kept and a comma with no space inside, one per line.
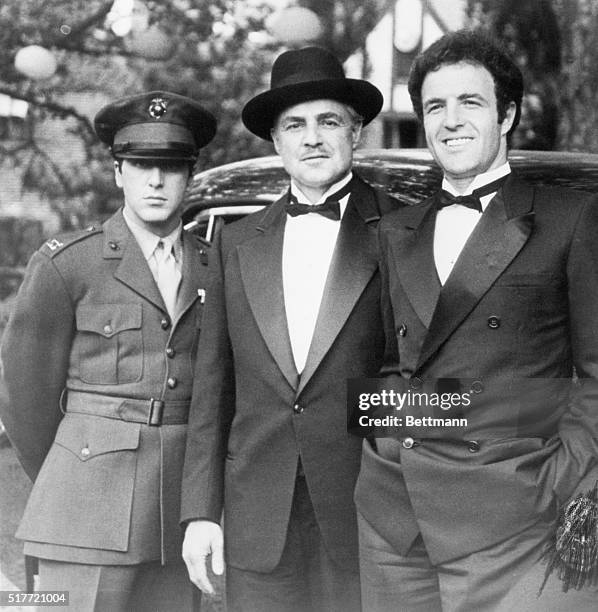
(85,452)
(107,329)
(408,443)
(415,382)
(476,386)
(172,382)
(493,322)
(298,409)
(113,246)
(170,352)
(403,331)
(473,446)
(165,323)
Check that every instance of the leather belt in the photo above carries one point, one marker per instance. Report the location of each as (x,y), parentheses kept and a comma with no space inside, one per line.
(151,412)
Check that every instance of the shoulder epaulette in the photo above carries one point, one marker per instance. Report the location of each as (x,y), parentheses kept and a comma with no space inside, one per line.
(52,247)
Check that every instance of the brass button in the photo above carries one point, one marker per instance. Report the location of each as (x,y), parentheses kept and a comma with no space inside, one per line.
(493,322)
(113,245)
(170,352)
(107,328)
(172,382)
(85,452)
(165,323)
(408,443)
(297,409)
(403,331)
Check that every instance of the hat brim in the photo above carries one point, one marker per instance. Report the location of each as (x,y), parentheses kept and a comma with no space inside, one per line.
(260,113)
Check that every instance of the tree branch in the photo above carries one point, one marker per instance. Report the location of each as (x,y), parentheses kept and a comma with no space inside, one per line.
(58,109)
(79,29)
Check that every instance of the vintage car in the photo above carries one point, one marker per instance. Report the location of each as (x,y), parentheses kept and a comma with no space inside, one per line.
(231,191)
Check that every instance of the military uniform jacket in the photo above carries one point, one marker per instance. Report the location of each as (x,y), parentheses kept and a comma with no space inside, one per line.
(252,416)
(88,345)
(517,314)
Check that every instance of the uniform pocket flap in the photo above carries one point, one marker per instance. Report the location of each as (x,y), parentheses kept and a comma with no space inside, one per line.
(108,319)
(88,436)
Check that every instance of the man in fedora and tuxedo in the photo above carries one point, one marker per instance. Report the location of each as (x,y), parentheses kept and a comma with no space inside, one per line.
(97,357)
(292,311)
(490,294)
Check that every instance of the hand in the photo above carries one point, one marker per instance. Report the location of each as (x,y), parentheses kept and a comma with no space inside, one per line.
(203,538)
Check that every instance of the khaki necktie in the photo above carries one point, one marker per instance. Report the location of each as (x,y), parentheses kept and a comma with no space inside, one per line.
(168,277)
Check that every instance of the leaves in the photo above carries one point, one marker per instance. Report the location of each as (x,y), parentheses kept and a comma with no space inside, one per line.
(556,45)
(61,157)
(223,56)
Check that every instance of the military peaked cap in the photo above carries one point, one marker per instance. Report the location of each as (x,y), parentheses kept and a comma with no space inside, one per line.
(155,125)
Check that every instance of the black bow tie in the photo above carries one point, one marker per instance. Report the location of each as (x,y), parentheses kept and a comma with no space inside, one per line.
(473,200)
(330,208)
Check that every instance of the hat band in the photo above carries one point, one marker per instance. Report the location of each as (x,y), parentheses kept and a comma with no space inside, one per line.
(298,78)
(151,150)
(160,136)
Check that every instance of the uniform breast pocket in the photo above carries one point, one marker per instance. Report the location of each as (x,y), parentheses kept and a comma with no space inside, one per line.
(110,343)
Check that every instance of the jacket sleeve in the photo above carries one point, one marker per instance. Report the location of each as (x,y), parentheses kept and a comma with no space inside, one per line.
(575,465)
(212,404)
(35,355)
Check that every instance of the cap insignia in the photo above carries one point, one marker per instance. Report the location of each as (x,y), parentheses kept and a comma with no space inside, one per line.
(157,108)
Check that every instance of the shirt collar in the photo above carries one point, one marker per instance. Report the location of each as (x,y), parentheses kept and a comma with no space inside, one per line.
(333,188)
(148,240)
(480,180)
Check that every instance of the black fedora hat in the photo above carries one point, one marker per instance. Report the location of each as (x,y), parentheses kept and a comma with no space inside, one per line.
(302,75)
(155,125)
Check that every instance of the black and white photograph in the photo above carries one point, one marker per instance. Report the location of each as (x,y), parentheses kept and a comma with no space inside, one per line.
(299,305)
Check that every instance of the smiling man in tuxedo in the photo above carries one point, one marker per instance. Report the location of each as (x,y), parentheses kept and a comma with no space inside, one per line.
(490,289)
(292,311)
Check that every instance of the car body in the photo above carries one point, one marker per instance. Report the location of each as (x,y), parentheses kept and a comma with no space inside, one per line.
(231,191)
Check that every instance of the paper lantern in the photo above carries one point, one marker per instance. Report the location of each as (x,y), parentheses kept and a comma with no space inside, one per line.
(35,62)
(408,25)
(152,43)
(295,25)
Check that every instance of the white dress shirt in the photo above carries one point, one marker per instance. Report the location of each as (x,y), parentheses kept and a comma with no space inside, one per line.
(307,250)
(455,223)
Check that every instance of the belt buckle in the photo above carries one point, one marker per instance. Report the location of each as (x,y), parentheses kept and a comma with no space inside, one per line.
(156,411)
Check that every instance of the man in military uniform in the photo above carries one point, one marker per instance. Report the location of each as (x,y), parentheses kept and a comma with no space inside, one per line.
(97,358)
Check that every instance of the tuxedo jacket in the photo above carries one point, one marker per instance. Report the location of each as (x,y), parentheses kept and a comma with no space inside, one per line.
(89,329)
(253,417)
(515,319)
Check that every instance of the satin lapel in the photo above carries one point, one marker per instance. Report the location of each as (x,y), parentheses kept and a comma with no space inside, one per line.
(191,281)
(260,262)
(133,269)
(412,248)
(353,264)
(500,234)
